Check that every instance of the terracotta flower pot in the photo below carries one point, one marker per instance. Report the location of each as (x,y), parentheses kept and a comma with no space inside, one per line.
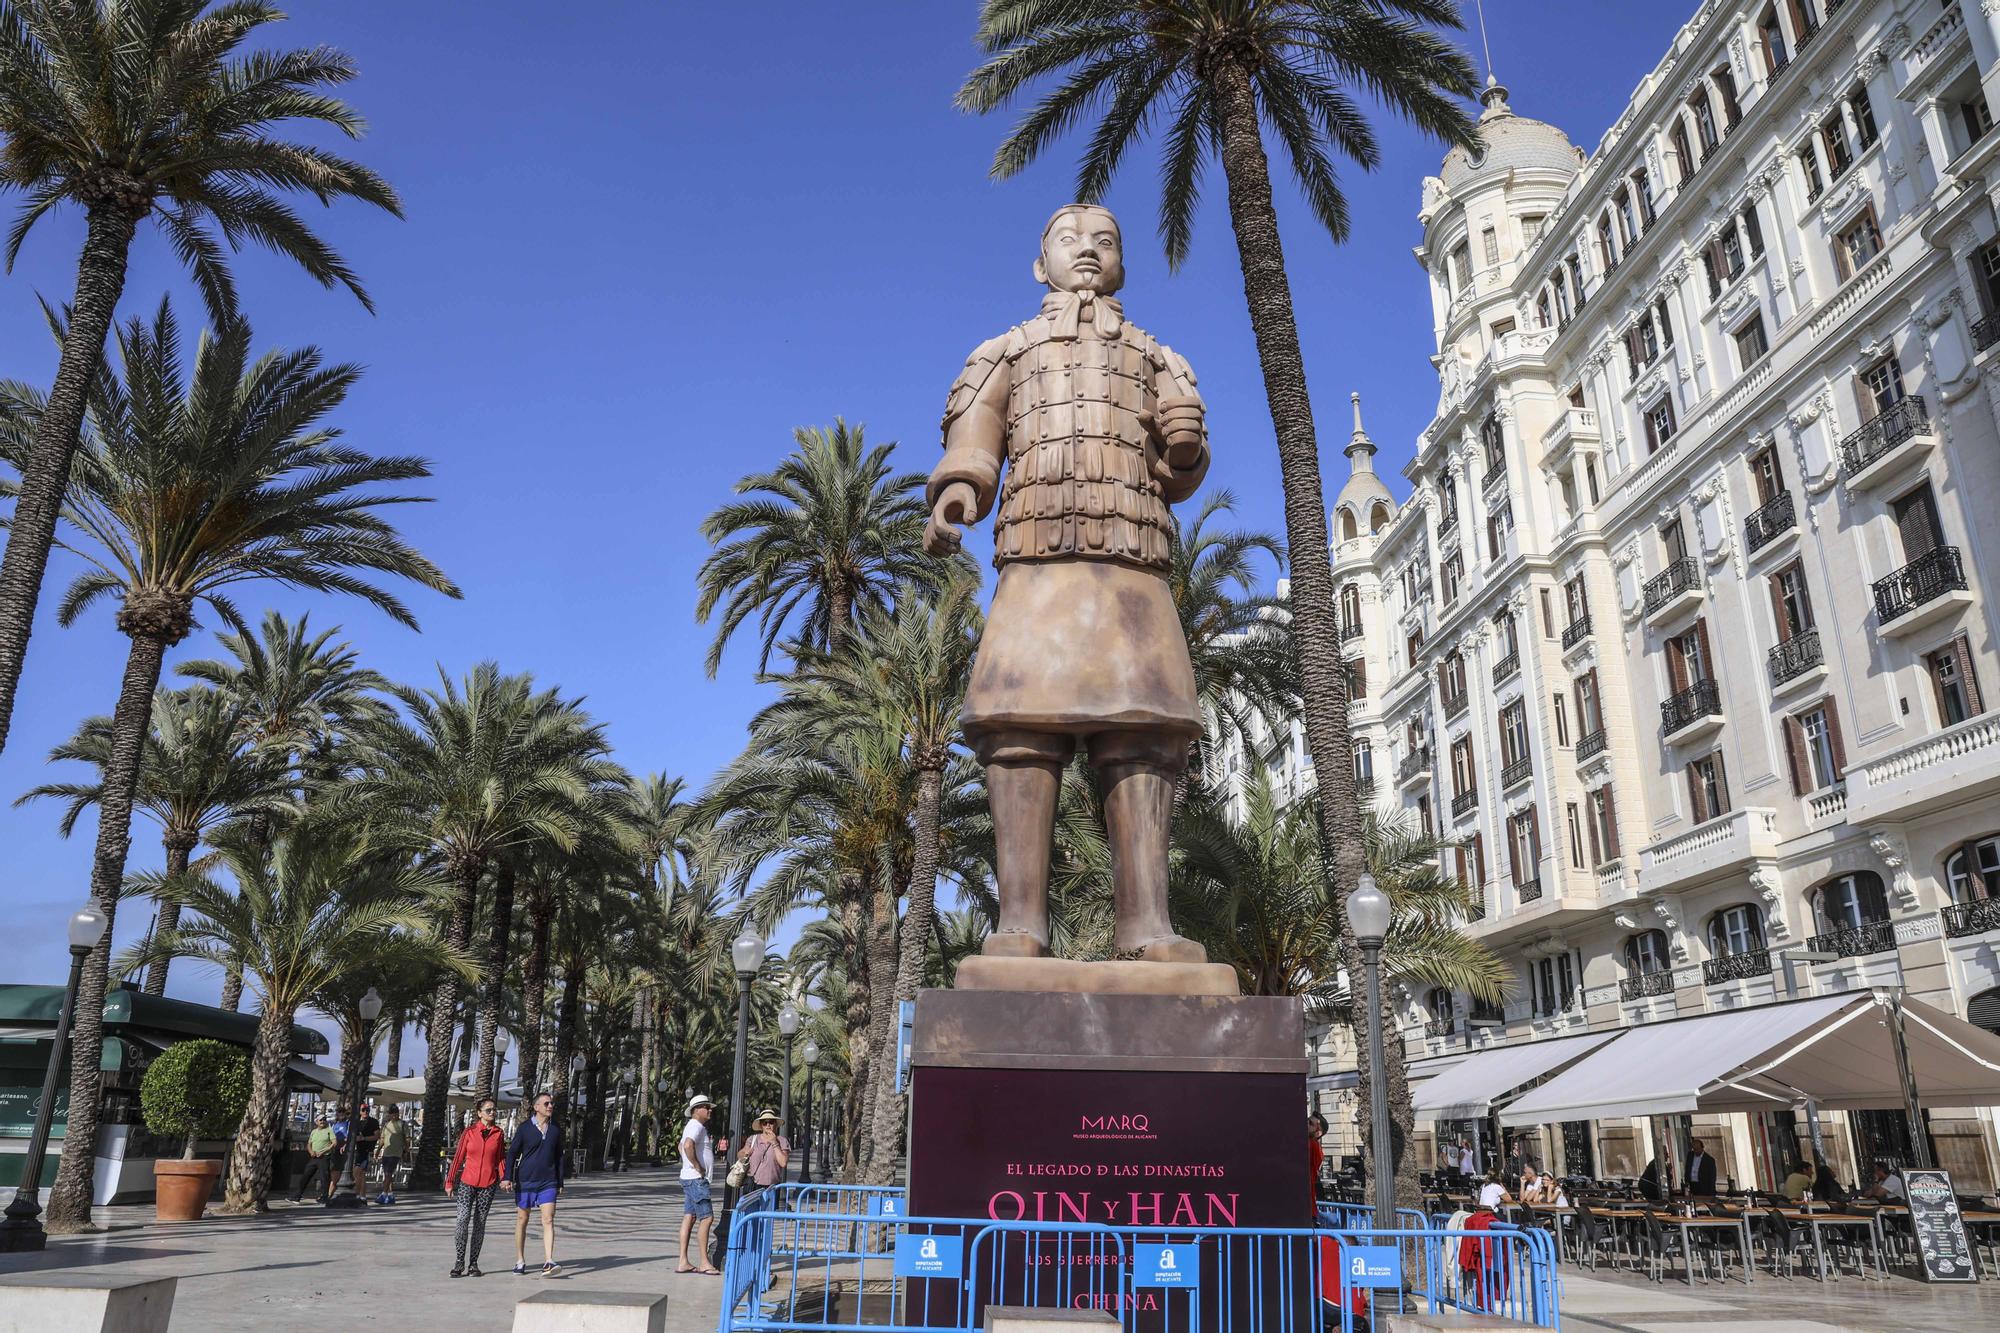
(181,1188)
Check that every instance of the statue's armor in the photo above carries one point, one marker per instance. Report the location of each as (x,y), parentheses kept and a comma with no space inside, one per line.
(1079,479)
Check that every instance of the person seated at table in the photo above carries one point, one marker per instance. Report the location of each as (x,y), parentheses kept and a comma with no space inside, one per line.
(1493,1193)
(1888,1187)
(1701,1169)
(1536,1187)
(1797,1183)
(1826,1187)
(1649,1180)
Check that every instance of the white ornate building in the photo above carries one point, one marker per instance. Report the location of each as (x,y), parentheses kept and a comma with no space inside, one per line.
(1682,632)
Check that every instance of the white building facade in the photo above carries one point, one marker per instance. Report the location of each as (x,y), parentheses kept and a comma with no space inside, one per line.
(1682,635)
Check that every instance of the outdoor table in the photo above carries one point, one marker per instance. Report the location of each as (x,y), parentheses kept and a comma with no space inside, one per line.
(1562,1214)
(1741,1224)
(1817,1219)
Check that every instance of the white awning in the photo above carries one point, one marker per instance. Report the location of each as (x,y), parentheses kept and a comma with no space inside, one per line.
(1834,1049)
(1469,1088)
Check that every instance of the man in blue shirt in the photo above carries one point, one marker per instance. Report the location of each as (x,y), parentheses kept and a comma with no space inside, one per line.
(535,1165)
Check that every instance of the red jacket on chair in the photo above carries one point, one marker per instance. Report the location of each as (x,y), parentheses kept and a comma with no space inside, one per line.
(1481,1265)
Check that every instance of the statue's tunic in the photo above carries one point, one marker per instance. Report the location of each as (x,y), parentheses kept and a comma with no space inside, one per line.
(1083,636)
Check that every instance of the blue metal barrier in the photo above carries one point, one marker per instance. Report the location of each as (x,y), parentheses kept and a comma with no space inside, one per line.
(843,1272)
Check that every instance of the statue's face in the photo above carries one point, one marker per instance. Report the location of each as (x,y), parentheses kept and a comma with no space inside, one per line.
(1082,253)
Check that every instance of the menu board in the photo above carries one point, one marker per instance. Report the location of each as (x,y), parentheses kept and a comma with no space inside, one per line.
(1947,1257)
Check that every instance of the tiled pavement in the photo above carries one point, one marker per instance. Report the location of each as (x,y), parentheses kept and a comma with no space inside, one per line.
(1626,1304)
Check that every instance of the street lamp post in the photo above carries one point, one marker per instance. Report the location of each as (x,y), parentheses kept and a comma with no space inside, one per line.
(810,1054)
(347,1194)
(748,955)
(21,1229)
(788,1028)
(1368,914)
(630,1080)
(832,1134)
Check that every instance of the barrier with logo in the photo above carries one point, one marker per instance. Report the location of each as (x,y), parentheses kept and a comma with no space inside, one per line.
(936,1275)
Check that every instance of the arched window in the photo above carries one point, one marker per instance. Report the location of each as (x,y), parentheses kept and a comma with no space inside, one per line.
(1440,1004)
(1646,953)
(1347,530)
(1973,871)
(1735,930)
(1379,518)
(1850,902)
(1350,604)
(1983,1010)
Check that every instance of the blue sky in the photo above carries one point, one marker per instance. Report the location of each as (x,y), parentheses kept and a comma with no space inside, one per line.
(647,240)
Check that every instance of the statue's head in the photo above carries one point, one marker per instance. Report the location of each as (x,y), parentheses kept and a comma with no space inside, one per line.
(1082,251)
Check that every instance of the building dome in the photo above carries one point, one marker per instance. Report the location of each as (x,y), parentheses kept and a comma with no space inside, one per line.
(1512,143)
(1364,505)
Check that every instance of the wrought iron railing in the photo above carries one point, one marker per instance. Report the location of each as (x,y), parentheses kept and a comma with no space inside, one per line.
(1779,516)
(1440,1027)
(1699,700)
(1899,422)
(1925,579)
(1350,631)
(1985,332)
(1971,918)
(1495,478)
(1590,746)
(1576,631)
(1855,941)
(1795,656)
(1517,772)
(1454,704)
(1464,801)
(1649,983)
(1507,667)
(1737,966)
(1447,524)
(1528,891)
(1671,582)
(1415,762)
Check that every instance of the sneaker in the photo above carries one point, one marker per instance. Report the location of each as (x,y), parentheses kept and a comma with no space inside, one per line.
(520,1270)
(551,1269)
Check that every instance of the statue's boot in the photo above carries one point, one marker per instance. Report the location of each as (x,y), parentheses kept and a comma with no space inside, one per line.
(1139,770)
(1023,779)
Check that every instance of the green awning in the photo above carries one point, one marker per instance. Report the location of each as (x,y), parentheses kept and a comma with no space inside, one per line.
(31,1006)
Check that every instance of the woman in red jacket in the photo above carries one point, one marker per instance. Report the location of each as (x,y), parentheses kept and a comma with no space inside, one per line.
(477,1169)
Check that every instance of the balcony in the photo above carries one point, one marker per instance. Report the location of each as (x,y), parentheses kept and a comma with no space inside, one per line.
(1573,425)
(1350,632)
(1650,983)
(1767,524)
(1440,1027)
(1416,764)
(1447,524)
(1973,918)
(1530,891)
(1677,587)
(1927,589)
(1796,660)
(1576,631)
(1886,443)
(1465,802)
(1517,773)
(1589,747)
(1695,711)
(1855,941)
(1985,332)
(1507,667)
(1494,480)
(1455,704)
(1727,845)
(1949,767)
(1737,966)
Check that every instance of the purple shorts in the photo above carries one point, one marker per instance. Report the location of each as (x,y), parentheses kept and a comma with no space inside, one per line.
(534,1198)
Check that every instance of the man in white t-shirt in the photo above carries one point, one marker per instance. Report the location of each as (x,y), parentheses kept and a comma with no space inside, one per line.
(1888,1185)
(697,1152)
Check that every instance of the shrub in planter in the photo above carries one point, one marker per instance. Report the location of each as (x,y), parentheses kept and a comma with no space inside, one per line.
(194,1090)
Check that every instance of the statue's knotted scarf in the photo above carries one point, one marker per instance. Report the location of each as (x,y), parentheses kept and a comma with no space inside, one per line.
(1066,312)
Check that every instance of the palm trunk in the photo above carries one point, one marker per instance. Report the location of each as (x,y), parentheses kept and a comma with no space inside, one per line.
(427,1172)
(357,1047)
(534,986)
(496,966)
(568,1010)
(232,987)
(919,918)
(393,1057)
(1322,673)
(179,852)
(859,1067)
(879,1157)
(69,1201)
(264,1119)
(100,280)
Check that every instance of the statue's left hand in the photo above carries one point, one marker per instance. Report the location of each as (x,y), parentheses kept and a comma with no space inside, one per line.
(1178,421)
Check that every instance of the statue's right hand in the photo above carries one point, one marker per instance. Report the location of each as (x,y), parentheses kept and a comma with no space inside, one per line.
(954,505)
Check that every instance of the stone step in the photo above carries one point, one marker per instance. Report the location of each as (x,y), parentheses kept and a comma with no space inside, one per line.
(591,1312)
(60,1302)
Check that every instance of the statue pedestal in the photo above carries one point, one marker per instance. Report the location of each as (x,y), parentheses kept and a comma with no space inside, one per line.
(1067,976)
(1169,1113)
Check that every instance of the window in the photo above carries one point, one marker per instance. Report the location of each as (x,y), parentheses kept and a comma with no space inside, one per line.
(1575,606)
(1766,474)
(1451,677)
(1489,241)
(1560,707)
(1461,267)
(1514,733)
(1917,523)
(1751,343)
(1950,669)
(1704,121)
(1771,38)
(1364,763)
(1973,871)
(1809,163)
(1660,425)
(1853,248)
(1438,1004)
(1736,930)
(1673,543)
(1509,633)
(1732,111)
(1682,155)
(1574,822)
(1753,230)
(1501,328)
(1864,117)
(1415,644)
(1357,678)
(1978,118)
(1464,777)
(1555,984)
(1447,494)
(1493,443)
(1350,610)
(1524,846)
(1687,657)
(1986,267)
(1729,251)
(1646,953)
(1425,820)
(1813,748)
(1603,826)
(1851,902)
(1542,320)
(1450,575)
(1791,604)
(1548,617)
(1642,344)
(1607,244)
(1666,325)
(1881,386)
(1708,790)
(1589,714)
(1576,277)
(1628,226)
(1833,134)
(1499,526)
(1531,227)
(1642,187)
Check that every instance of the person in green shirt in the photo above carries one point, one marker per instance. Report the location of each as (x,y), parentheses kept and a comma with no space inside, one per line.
(395,1142)
(319,1160)
(1798,1182)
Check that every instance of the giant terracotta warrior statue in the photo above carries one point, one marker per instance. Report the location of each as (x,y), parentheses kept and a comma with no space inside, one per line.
(1077,429)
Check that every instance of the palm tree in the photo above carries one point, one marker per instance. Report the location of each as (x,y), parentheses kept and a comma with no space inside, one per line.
(321,904)
(826,534)
(186,485)
(660,823)
(139,109)
(475,772)
(1209,76)
(194,773)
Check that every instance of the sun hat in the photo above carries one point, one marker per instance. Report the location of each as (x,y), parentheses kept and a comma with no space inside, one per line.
(762,1116)
(700,1099)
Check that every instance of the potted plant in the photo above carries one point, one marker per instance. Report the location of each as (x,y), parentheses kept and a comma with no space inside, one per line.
(194,1090)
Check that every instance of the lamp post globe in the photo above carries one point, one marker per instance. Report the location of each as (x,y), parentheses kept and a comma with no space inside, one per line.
(747,953)
(1368,912)
(21,1227)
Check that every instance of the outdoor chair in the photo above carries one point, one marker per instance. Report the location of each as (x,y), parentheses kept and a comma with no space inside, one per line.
(1594,1236)
(1660,1246)
(1785,1241)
